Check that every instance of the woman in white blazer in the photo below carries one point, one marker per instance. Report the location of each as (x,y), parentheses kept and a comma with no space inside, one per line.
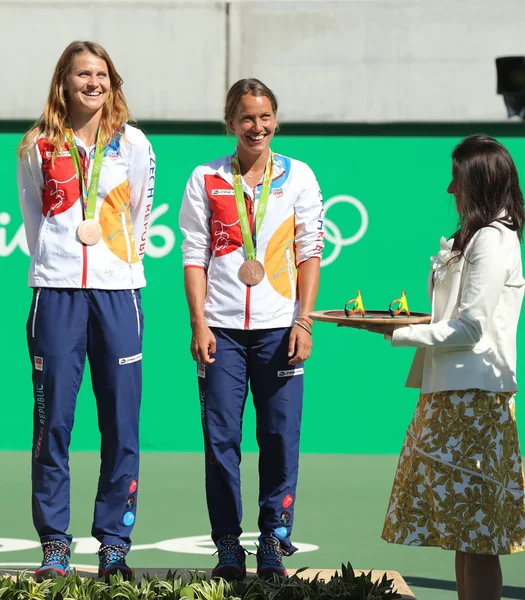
(459,483)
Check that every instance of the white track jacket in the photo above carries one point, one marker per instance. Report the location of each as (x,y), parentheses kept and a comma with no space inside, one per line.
(291,232)
(51,202)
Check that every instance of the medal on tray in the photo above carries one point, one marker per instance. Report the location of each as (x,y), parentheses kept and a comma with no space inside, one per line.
(251,271)
(89,232)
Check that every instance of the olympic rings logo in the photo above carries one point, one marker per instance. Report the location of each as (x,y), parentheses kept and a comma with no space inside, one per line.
(333,233)
(161,238)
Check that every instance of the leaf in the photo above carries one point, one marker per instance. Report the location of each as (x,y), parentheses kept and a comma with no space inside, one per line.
(187,592)
(59,583)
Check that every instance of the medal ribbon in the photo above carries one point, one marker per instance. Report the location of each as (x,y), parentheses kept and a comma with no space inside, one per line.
(241,204)
(89,196)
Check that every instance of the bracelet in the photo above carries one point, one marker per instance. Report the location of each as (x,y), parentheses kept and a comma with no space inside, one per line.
(306,318)
(303,326)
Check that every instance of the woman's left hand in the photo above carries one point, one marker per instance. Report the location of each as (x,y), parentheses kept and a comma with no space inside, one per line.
(299,346)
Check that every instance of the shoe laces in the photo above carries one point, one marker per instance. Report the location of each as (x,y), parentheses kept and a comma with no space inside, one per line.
(230,551)
(112,554)
(270,551)
(55,552)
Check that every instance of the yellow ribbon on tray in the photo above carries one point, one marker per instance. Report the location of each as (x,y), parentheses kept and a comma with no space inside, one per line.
(400,304)
(355,306)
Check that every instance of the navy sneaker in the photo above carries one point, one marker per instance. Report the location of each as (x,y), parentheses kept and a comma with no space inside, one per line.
(269,557)
(232,559)
(112,560)
(55,562)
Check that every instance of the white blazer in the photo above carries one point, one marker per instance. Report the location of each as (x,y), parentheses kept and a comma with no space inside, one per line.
(476,303)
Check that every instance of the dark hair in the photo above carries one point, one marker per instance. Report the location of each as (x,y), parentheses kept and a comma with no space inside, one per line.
(242,87)
(487,188)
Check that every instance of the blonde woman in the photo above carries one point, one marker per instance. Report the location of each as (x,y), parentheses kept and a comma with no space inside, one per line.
(86,182)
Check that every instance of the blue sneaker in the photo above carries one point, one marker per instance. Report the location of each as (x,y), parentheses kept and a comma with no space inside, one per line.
(269,557)
(112,560)
(232,559)
(55,562)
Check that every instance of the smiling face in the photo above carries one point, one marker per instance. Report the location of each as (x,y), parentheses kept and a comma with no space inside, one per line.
(88,84)
(253,124)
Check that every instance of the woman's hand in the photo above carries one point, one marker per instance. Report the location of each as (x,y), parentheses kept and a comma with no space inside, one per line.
(299,345)
(203,344)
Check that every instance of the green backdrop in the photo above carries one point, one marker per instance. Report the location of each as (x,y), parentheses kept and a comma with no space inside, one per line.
(355,401)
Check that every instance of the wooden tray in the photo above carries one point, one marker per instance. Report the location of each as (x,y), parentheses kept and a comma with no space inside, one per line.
(375,317)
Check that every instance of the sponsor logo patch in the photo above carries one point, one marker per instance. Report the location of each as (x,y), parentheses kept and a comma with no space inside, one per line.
(133,487)
(128,519)
(222,193)
(130,359)
(288,501)
(290,372)
(59,155)
(39,363)
(282,531)
(201,371)
(278,192)
(285,517)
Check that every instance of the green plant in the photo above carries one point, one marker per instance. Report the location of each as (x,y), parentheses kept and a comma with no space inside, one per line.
(340,587)
(344,586)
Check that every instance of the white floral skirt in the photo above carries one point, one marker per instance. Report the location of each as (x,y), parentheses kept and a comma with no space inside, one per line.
(459,483)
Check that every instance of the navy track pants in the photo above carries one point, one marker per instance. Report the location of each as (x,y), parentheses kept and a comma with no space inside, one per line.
(259,357)
(64,326)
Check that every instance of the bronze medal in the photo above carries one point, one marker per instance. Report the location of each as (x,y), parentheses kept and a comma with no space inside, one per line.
(89,232)
(251,272)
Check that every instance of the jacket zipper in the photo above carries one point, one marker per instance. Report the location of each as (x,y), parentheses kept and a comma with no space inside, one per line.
(250,203)
(33,325)
(136,311)
(85,163)
(84,265)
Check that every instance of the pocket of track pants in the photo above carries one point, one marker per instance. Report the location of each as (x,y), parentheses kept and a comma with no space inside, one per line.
(137,313)
(35,311)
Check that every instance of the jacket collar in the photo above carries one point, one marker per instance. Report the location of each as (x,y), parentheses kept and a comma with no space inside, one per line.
(224,170)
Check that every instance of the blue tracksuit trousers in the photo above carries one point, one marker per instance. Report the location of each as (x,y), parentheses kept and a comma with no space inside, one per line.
(64,326)
(259,357)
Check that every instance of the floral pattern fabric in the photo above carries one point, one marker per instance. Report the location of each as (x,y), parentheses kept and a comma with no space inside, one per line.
(459,483)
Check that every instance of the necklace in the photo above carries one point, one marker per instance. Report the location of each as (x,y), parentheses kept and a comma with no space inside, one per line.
(258,176)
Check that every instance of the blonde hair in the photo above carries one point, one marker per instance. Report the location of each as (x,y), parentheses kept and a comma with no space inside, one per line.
(239,89)
(52,123)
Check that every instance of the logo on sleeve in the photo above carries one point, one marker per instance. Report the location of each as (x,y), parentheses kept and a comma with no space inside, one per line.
(39,363)
(222,193)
